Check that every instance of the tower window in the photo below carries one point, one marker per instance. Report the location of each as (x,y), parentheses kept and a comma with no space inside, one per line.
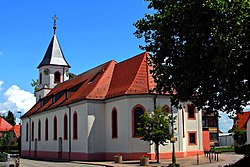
(40,78)
(57,77)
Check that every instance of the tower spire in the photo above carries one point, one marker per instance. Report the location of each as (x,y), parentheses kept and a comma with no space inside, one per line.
(54,27)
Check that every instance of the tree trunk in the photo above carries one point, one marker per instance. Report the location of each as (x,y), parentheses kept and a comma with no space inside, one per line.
(157,153)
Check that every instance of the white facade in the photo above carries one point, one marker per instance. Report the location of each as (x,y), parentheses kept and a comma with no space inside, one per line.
(94,126)
(248,131)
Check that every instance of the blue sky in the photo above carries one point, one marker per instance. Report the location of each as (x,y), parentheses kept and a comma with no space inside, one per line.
(90,33)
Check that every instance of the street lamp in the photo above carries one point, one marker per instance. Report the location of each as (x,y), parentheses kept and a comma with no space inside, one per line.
(172,139)
(19,112)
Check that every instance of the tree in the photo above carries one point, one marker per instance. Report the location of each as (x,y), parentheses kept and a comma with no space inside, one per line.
(5,139)
(155,128)
(71,75)
(34,84)
(200,51)
(10,118)
(239,135)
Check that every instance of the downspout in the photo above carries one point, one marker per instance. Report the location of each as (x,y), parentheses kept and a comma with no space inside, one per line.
(69,132)
(155,102)
(29,135)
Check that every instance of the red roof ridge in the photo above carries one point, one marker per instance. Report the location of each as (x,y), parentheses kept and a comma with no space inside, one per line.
(135,86)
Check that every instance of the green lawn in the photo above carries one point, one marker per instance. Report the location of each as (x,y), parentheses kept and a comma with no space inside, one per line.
(223,149)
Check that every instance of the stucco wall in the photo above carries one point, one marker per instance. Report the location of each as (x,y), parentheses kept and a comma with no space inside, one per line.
(95,127)
(248,131)
(125,142)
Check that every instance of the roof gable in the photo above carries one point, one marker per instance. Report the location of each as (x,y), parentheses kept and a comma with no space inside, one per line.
(16,129)
(242,119)
(131,77)
(4,125)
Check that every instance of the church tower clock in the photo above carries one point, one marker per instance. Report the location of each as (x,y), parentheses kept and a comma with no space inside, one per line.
(53,69)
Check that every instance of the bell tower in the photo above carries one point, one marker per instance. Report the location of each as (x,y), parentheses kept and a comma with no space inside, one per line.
(53,69)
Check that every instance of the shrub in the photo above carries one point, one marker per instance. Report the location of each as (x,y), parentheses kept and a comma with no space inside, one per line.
(3,157)
(244,149)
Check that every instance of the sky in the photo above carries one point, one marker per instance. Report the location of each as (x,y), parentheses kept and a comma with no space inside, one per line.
(90,33)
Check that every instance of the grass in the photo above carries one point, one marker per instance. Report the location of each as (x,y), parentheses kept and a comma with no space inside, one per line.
(223,149)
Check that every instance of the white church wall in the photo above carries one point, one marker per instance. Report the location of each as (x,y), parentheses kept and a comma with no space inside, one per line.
(161,101)
(96,127)
(80,144)
(50,144)
(25,144)
(125,142)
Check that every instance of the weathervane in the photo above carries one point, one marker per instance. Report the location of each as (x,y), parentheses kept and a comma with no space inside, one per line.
(54,27)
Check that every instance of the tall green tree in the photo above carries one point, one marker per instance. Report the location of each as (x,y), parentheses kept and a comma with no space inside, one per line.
(200,51)
(154,128)
(10,118)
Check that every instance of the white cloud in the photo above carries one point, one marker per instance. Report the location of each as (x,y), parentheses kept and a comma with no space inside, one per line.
(1,53)
(16,99)
(225,123)
(1,83)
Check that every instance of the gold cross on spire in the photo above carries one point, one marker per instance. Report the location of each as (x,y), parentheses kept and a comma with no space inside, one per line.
(54,18)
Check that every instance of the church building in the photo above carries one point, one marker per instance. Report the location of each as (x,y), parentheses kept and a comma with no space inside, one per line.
(94,115)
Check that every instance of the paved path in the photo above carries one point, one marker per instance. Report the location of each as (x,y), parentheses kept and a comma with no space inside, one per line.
(224,159)
(39,163)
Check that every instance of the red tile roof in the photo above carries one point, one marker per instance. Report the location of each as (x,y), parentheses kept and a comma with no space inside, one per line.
(108,80)
(16,129)
(242,119)
(4,125)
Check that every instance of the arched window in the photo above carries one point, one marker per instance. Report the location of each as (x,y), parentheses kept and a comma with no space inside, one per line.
(57,77)
(46,129)
(39,130)
(114,124)
(165,109)
(65,127)
(75,126)
(40,78)
(32,131)
(55,128)
(27,131)
(136,113)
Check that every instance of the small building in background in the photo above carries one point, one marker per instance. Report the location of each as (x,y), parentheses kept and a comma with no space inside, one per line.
(210,123)
(226,139)
(14,131)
